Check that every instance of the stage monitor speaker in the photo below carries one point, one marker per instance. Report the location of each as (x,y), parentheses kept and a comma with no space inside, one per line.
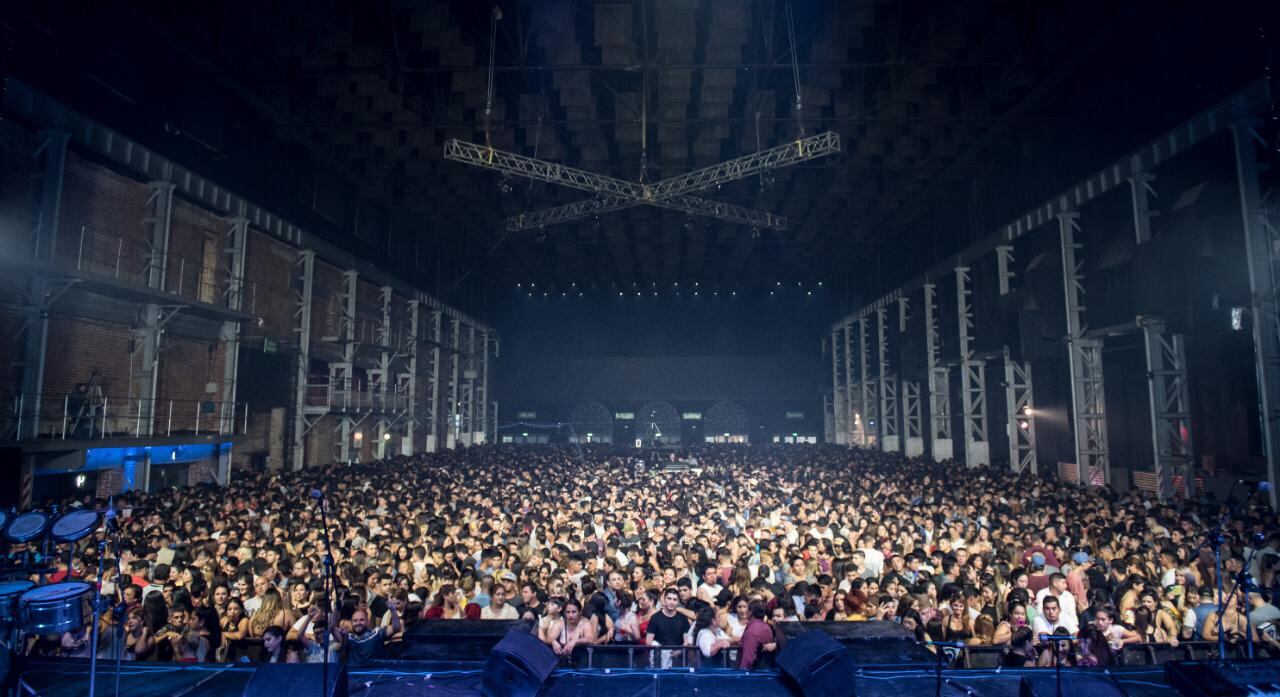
(820,665)
(518,665)
(1044,683)
(296,680)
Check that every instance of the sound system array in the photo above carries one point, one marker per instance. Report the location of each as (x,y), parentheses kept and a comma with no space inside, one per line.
(518,665)
(820,665)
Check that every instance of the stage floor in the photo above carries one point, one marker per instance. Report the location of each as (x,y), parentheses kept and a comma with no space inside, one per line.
(70,678)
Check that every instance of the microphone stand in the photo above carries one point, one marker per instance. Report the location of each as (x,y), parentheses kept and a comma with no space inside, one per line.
(1243,583)
(121,609)
(328,587)
(97,617)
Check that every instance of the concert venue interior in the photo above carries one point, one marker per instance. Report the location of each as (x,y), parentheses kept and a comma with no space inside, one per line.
(652,347)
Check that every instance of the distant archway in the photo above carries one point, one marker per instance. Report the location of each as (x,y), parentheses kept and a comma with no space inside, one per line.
(592,423)
(658,423)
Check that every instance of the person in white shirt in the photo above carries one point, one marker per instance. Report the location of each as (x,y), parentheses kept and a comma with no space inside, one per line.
(710,588)
(1066,602)
(1050,618)
(498,609)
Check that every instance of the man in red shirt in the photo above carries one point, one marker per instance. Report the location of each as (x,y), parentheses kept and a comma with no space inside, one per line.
(757,637)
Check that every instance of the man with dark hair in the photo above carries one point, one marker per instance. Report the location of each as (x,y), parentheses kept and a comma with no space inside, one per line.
(756,638)
(668,627)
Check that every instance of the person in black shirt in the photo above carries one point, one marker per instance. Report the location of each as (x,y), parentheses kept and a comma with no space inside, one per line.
(668,627)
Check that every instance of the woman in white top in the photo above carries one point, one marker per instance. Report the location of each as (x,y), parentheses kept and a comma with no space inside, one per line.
(709,639)
(549,620)
(734,623)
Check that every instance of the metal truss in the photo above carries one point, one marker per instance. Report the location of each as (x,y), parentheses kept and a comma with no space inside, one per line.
(1170,409)
(1021,418)
(407,380)
(380,377)
(973,378)
(911,417)
(1004,257)
(1088,401)
(939,382)
(850,422)
(452,390)
(481,423)
(341,377)
(866,388)
(235,246)
(302,315)
(431,410)
(688,204)
(158,221)
(887,426)
(839,407)
(1140,188)
(618,193)
(1261,240)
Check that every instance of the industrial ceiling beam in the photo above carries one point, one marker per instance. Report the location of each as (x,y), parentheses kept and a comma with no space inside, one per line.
(689,204)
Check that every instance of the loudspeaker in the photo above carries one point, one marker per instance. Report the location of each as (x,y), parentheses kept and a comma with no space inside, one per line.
(518,665)
(1043,683)
(819,664)
(296,680)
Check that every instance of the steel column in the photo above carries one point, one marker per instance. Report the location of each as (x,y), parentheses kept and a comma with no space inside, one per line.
(1140,188)
(467,394)
(973,379)
(1021,422)
(47,200)
(852,424)
(887,426)
(146,380)
(941,447)
(341,376)
(380,377)
(838,405)
(1004,257)
(1088,401)
(237,236)
(452,389)
(1170,409)
(911,414)
(867,391)
(435,338)
(407,381)
(1261,240)
(302,370)
(482,393)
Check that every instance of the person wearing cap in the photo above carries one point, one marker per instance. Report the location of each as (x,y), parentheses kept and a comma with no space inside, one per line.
(1037,579)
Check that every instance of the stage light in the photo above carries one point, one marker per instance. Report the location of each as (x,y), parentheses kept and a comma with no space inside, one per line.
(819,284)
(1237,318)
(1024,425)
(808,292)
(386,436)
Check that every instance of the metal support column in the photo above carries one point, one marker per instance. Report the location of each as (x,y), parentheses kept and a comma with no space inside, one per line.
(235,246)
(1021,423)
(407,381)
(47,194)
(911,416)
(1262,241)
(973,379)
(452,389)
(467,390)
(302,370)
(482,393)
(431,414)
(1088,402)
(1170,409)
(341,376)
(888,423)
(867,390)
(380,377)
(150,332)
(852,424)
(839,417)
(1004,257)
(939,382)
(1140,188)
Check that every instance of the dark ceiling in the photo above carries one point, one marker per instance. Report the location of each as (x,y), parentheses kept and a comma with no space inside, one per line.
(928,97)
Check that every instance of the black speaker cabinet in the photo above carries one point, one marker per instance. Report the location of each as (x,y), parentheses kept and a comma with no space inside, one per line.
(820,665)
(518,665)
(296,680)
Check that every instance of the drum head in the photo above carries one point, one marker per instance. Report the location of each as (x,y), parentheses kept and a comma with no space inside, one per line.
(27,527)
(55,592)
(9,588)
(74,526)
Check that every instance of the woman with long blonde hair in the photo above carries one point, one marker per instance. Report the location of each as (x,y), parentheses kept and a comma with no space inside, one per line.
(271,613)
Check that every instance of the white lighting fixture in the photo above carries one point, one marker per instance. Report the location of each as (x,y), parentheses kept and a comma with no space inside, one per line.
(1237,318)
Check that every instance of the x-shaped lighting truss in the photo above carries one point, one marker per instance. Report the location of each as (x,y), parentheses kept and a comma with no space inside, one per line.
(615,194)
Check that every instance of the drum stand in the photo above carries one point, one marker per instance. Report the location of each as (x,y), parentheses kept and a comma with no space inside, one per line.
(97,617)
(118,611)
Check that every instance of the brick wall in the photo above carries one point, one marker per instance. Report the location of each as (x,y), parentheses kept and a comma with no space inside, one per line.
(186,367)
(17,164)
(79,346)
(189,227)
(110,208)
(270,268)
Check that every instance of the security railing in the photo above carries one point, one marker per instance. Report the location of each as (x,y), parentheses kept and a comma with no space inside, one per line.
(338,399)
(25,416)
(111,256)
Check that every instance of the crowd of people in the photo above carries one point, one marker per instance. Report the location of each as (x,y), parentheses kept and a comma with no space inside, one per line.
(591,547)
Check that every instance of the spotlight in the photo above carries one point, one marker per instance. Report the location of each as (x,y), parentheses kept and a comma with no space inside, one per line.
(1237,318)
(504,184)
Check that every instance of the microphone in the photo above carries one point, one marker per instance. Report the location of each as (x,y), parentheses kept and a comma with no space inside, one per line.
(1056,637)
(963,688)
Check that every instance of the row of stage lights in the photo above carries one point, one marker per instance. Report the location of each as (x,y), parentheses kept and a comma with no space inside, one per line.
(638,290)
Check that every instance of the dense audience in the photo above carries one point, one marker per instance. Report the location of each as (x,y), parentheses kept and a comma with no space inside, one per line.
(592,547)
